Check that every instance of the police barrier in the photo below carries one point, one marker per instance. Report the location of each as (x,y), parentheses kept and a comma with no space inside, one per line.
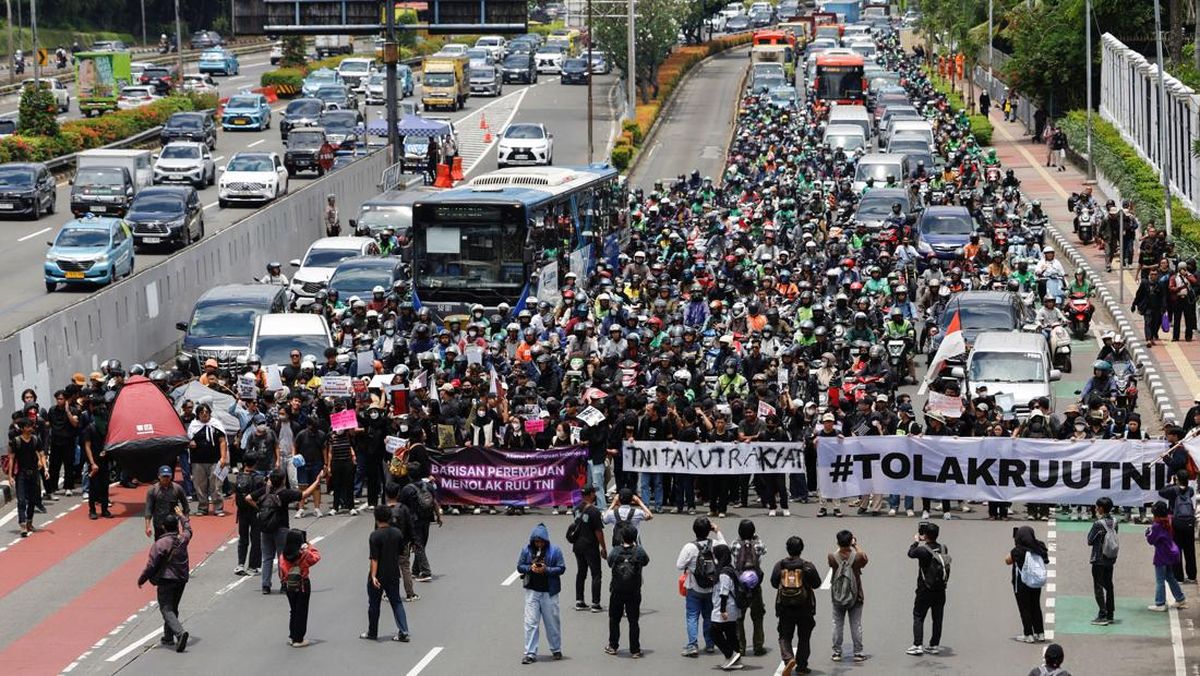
(992,468)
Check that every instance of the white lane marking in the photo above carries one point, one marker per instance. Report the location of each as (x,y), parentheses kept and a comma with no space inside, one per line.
(69,667)
(232,585)
(1049,601)
(256,143)
(231,541)
(218,158)
(828,581)
(1177,643)
(135,645)
(33,234)
(6,518)
(318,539)
(211,205)
(236,77)
(510,579)
(433,652)
(779,669)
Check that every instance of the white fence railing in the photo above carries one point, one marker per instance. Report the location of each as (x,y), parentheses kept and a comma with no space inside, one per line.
(1129,101)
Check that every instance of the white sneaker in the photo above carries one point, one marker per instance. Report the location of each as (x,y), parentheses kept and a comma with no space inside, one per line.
(787,512)
(1023,639)
(908,512)
(239,570)
(892,511)
(770,512)
(354,511)
(1158,609)
(966,508)
(932,650)
(554,511)
(732,661)
(1180,604)
(948,516)
(477,511)
(925,514)
(299,513)
(317,512)
(914,650)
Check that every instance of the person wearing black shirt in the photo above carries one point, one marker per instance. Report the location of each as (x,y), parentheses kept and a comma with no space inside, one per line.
(402,518)
(28,463)
(410,497)
(273,535)
(341,451)
(97,458)
(161,500)
(385,543)
(63,419)
(931,594)
(589,549)
(313,445)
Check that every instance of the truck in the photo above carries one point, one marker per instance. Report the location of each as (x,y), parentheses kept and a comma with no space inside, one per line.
(847,9)
(445,83)
(99,79)
(329,45)
(106,180)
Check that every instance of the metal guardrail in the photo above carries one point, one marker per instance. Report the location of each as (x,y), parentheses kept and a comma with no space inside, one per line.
(65,163)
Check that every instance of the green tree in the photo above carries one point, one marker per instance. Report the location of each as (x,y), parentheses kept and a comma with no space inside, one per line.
(656,30)
(694,14)
(293,52)
(37,114)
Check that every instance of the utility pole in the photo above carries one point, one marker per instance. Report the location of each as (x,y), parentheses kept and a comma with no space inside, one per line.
(144,41)
(1087,19)
(12,52)
(631,75)
(390,55)
(1162,116)
(589,74)
(990,41)
(37,69)
(178,40)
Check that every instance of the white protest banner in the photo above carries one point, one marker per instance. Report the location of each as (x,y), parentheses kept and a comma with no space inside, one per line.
(752,457)
(366,363)
(548,283)
(591,416)
(475,355)
(246,387)
(393,444)
(992,468)
(274,377)
(336,386)
(951,407)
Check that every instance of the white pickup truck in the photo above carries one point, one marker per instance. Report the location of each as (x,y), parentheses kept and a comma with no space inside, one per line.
(329,45)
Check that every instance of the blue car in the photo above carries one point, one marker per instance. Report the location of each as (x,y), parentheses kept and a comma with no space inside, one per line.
(944,231)
(246,111)
(219,60)
(93,250)
(319,78)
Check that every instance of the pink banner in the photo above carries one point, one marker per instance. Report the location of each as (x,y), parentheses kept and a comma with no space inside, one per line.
(491,476)
(343,420)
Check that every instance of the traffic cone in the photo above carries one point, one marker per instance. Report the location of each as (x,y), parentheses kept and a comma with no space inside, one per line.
(456,170)
(442,178)
(483,121)
(487,135)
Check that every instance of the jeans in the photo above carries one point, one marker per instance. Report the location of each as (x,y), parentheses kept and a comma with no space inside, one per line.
(1185,538)
(718,494)
(98,490)
(298,619)
(170,593)
(1102,587)
(542,607)
(802,622)
(630,606)
(756,611)
(272,545)
(1165,577)
(798,487)
(62,456)
(773,485)
(27,494)
(406,570)
(698,611)
(684,492)
(249,540)
(374,600)
(651,482)
(1029,605)
(587,561)
(185,468)
(596,472)
(894,501)
(420,561)
(854,612)
(933,603)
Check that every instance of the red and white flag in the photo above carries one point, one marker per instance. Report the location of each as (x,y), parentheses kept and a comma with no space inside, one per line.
(953,344)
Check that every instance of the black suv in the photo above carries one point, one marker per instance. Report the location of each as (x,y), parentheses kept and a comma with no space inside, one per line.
(164,78)
(308,149)
(199,127)
(519,67)
(301,113)
(166,214)
(26,189)
(206,39)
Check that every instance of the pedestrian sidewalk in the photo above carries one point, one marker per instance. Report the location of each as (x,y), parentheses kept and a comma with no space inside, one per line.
(1171,380)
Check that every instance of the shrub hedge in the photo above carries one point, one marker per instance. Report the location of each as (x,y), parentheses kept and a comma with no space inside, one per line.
(1133,177)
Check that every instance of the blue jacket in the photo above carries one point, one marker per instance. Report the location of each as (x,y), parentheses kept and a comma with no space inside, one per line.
(556,565)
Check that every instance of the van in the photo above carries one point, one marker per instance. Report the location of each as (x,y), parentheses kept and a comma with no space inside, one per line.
(855,115)
(276,335)
(878,166)
(392,209)
(848,137)
(920,128)
(445,83)
(222,321)
(106,181)
(1015,367)
(136,161)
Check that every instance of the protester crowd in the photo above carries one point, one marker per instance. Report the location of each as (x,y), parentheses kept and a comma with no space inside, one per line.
(747,309)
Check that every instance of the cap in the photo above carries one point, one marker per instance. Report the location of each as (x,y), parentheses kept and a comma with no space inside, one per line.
(828,417)
(78,379)
(881,397)
(165,471)
(259,419)
(211,362)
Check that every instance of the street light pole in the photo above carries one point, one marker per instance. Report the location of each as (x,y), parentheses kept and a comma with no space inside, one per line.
(178,40)
(12,52)
(1162,117)
(1087,20)
(37,69)
(631,74)
(144,41)
(390,55)
(990,42)
(589,74)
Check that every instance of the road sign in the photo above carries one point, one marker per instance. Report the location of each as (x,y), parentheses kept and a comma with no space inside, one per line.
(42,56)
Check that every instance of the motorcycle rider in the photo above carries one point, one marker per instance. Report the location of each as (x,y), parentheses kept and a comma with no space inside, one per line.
(1101,386)
(860,331)
(1081,285)
(1049,266)
(1049,316)
(899,328)
(1023,275)
(274,275)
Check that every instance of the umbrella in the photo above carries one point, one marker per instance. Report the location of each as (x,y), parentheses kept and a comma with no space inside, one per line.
(220,402)
(410,126)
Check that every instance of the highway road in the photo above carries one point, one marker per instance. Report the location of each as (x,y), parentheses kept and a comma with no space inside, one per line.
(561,107)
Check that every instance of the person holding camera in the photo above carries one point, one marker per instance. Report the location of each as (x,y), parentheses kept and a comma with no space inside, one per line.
(698,562)
(627,511)
(541,565)
(846,593)
(297,557)
(167,568)
(933,572)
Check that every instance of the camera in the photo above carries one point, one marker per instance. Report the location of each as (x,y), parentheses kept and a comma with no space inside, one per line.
(924,527)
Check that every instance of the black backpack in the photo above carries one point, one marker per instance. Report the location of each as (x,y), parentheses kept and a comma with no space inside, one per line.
(747,558)
(705,572)
(246,484)
(574,529)
(270,512)
(627,572)
(937,575)
(622,522)
(741,593)
(424,500)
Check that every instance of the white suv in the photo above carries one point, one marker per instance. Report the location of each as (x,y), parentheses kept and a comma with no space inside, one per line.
(185,162)
(525,143)
(321,260)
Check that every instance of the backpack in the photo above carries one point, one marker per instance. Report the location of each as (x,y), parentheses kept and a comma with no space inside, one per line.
(622,522)
(1185,509)
(747,558)
(705,571)
(294,580)
(1033,573)
(573,530)
(844,587)
(1110,547)
(626,573)
(245,485)
(741,593)
(938,574)
(793,593)
(270,512)
(424,499)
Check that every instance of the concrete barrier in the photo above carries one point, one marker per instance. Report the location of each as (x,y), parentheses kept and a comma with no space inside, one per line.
(134,320)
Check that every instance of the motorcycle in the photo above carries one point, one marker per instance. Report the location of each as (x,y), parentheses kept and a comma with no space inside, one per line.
(1060,347)
(1000,235)
(1125,374)
(1084,226)
(1052,285)
(992,176)
(897,350)
(1079,311)
(19,65)
(1037,230)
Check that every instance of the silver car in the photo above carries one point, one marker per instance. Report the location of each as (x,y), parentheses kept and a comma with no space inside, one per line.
(486,80)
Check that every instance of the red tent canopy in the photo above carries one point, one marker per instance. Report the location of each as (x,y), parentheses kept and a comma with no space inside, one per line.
(144,432)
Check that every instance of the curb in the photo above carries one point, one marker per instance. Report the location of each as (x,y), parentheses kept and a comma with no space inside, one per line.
(1158,390)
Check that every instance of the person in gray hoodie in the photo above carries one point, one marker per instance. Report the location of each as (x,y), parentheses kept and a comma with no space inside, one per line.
(541,566)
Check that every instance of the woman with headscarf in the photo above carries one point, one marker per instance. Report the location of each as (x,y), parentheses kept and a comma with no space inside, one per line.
(1027,584)
(297,558)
